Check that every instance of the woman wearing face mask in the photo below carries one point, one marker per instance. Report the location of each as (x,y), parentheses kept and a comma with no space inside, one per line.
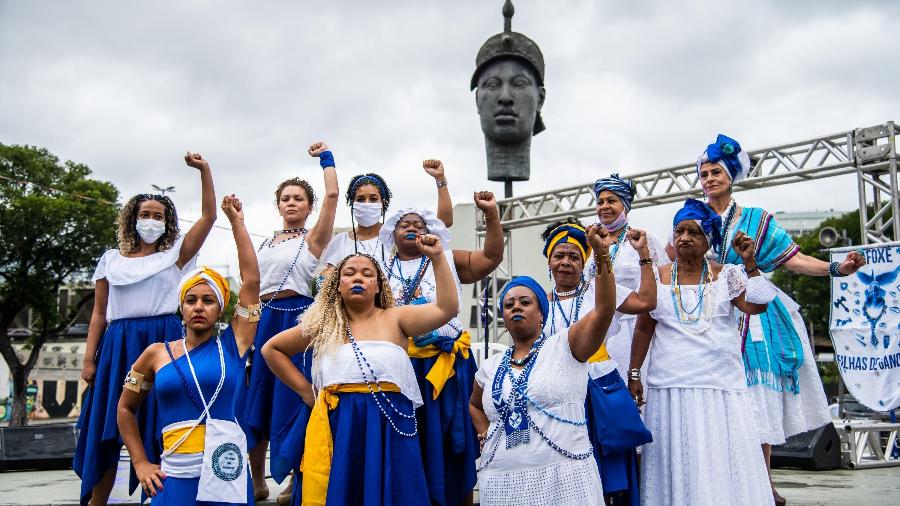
(134,307)
(441,360)
(614,422)
(270,410)
(528,403)
(361,443)
(705,447)
(369,198)
(788,397)
(614,198)
(195,379)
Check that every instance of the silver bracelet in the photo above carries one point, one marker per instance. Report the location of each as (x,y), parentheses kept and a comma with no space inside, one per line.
(634,374)
(441,182)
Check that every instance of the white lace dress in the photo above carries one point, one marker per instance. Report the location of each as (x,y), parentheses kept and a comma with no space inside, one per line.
(705,448)
(535,473)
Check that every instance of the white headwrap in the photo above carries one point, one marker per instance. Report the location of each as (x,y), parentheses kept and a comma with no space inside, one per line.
(432,223)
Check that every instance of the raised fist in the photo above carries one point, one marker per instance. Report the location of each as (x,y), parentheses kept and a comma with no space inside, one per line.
(317,148)
(434,168)
(429,245)
(195,160)
(232,207)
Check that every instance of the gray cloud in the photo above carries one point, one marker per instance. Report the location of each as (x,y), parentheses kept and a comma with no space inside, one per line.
(127,87)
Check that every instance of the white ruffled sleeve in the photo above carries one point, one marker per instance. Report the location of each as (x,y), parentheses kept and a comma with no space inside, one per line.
(100,271)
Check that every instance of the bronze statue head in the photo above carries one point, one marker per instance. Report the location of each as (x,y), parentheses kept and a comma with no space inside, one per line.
(509,84)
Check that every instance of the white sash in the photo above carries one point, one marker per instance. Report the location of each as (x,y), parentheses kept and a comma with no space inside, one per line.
(224,473)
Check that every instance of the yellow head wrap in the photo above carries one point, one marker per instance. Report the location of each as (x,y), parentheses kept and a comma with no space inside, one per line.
(204,274)
(569,233)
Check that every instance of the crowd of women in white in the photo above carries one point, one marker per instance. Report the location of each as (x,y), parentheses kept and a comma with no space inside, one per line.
(347,361)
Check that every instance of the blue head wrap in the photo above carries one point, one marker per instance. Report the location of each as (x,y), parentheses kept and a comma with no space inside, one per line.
(709,221)
(569,233)
(623,188)
(531,284)
(372,179)
(727,153)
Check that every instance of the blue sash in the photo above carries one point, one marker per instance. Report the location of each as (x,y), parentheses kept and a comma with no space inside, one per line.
(775,360)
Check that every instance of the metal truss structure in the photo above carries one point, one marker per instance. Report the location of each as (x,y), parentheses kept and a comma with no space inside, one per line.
(869,444)
(869,152)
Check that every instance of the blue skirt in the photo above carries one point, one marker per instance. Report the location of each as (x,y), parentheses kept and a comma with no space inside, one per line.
(264,410)
(373,464)
(99,442)
(446,432)
(179,491)
(615,429)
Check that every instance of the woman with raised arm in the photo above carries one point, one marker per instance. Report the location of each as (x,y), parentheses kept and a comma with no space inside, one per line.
(615,196)
(369,198)
(528,403)
(788,397)
(444,367)
(361,446)
(267,409)
(705,447)
(134,306)
(614,422)
(195,379)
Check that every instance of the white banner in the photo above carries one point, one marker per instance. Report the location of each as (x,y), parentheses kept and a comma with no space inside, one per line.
(865,325)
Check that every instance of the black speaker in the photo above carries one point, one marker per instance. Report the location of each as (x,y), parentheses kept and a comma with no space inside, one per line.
(45,446)
(815,450)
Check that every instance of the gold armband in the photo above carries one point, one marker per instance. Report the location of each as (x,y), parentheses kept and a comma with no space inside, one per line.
(603,259)
(251,312)
(134,381)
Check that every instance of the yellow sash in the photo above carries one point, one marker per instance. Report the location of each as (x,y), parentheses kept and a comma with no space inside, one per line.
(194,443)
(319,443)
(442,370)
(600,355)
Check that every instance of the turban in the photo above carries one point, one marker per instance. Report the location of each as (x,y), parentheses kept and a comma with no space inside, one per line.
(531,284)
(568,233)
(209,276)
(703,215)
(623,188)
(728,154)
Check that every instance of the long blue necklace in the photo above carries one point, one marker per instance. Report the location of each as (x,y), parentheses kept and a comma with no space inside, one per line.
(574,311)
(684,316)
(408,286)
(377,392)
(268,304)
(726,231)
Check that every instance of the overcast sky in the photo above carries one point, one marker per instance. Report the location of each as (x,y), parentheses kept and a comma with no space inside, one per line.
(127,87)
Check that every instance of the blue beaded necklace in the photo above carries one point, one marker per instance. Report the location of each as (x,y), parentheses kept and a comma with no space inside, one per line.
(377,392)
(614,251)
(726,231)
(574,311)
(268,304)
(408,285)
(684,316)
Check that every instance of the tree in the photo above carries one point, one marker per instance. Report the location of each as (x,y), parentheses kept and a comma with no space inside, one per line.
(54,223)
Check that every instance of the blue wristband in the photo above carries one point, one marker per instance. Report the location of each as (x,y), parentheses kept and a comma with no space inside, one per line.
(326,159)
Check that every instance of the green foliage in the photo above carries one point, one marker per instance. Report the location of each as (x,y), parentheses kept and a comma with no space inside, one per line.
(48,236)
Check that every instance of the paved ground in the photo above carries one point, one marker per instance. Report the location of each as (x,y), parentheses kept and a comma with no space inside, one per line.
(801,488)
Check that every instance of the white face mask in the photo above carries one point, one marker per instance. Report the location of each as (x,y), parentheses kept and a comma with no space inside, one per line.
(367,214)
(150,230)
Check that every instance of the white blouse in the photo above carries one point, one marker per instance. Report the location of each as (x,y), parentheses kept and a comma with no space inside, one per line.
(142,286)
(341,246)
(398,270)
(706,354)
(276,259)
(389,362)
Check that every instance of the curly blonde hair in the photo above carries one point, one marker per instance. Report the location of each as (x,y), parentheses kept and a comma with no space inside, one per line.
(129,240)
(325,321)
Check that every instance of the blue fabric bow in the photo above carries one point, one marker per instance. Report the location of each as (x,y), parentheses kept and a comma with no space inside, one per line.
(725,150)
